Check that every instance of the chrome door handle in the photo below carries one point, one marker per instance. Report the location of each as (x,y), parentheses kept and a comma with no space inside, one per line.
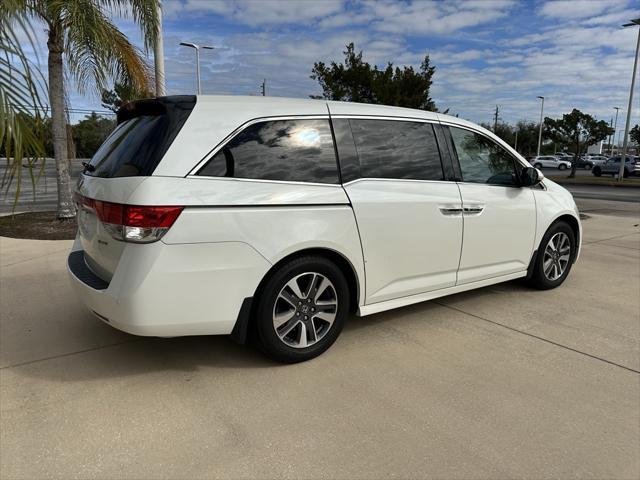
(473,209)
(449,210)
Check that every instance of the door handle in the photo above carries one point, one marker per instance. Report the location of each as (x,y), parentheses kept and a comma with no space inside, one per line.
(450,210)
(473,209)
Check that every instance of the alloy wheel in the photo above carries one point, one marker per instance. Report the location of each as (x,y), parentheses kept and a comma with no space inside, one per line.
(305,310)
(557,255)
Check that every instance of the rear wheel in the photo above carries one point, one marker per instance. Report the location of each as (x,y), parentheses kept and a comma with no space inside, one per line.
(588,166)
(555,257)
(538,165)
(562,167)
(301,309)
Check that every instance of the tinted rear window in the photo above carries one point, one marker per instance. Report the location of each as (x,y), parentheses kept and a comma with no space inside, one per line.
(144,133)
(289,150)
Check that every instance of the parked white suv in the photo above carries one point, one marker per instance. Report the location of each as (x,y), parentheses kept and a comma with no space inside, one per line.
(550,161)
(276,218)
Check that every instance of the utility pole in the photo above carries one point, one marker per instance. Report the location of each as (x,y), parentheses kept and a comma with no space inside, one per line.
(264,87)
(635,22)
(540,131)
(158,56)
(515,144)
(495,120)
(615,127)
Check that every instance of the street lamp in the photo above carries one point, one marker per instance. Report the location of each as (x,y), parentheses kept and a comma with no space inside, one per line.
(197,49)
(540,132)
(625,141)
(614,131)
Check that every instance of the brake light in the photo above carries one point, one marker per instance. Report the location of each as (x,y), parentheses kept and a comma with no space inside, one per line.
(132,223)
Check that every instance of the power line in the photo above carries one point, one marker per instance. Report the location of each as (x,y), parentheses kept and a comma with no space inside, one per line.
(69,110)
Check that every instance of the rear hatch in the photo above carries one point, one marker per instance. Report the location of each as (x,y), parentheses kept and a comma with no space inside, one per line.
(144,131)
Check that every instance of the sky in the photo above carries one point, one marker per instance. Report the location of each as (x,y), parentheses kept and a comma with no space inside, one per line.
(486,52)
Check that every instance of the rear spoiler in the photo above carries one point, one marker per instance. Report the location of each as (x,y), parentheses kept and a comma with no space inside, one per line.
(155,106)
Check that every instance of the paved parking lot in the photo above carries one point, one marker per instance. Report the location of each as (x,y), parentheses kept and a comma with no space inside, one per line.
(503,382)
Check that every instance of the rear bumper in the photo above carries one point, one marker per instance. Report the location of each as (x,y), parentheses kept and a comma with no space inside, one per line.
(171,290)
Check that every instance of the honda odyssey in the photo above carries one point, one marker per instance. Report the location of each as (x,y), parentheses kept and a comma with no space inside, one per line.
(274,219)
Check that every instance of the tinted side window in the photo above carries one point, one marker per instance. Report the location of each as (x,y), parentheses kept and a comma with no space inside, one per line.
(397,149)
(292,150)
(482,160)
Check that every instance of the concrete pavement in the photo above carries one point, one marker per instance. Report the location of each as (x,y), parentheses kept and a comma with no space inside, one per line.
(503,382)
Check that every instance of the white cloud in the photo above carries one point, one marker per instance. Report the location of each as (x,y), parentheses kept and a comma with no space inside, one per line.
(257,12)
(576,9)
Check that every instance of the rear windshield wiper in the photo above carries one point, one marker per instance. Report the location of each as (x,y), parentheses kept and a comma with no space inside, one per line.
(88,167)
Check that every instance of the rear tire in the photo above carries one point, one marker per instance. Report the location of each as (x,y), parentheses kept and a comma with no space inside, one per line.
(562,167)
(555,257)
(538,166)
(301,309)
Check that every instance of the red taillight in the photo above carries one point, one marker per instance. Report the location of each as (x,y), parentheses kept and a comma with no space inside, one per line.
(133,223)
(151,217)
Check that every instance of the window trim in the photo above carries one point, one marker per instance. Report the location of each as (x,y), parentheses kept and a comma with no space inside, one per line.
(456,160)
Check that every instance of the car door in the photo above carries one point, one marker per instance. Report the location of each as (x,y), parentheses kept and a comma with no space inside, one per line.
(499,216)
(407,211)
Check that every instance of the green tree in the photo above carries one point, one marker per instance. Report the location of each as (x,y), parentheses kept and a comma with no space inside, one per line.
(90,133)
(357,81)
(634,134)
(121,94)
(578,130)
(82,37)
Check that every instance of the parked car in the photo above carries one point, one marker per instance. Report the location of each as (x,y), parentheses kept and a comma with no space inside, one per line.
(612,167)
(596,159)
(253,216)
(549,161)
(564,156)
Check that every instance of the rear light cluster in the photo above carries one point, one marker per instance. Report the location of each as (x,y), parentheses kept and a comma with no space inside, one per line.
(132,223)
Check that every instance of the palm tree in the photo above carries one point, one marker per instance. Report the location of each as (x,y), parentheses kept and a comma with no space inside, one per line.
(82,37)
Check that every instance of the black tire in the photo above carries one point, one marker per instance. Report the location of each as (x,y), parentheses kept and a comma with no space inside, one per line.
(596,171)
(588,166)
(538,166)
(538,279)
(267,338)
(562,167)
(626,173)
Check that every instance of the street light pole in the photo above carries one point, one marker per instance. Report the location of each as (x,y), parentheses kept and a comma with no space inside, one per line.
(625,141)
(540,132)
(197,49)
(614,128)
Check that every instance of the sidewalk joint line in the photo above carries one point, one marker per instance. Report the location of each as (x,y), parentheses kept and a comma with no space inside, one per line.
(539,338)
(93,349)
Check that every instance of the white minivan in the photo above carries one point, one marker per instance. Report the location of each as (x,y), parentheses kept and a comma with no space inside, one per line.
(274,219)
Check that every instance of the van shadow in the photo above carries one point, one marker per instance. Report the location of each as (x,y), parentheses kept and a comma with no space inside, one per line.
(181,356)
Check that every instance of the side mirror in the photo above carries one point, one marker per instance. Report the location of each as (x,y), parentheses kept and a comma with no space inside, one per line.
(531,176)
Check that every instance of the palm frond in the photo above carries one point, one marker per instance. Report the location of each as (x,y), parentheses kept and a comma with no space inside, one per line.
(97,51)
(21,86)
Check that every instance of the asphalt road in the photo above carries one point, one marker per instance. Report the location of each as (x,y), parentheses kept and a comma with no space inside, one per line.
(502,382)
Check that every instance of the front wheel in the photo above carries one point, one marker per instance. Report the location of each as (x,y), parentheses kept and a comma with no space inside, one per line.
(596,171)
(588,166)
(562,167)
(555,257)
(538,166)
(301,309)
